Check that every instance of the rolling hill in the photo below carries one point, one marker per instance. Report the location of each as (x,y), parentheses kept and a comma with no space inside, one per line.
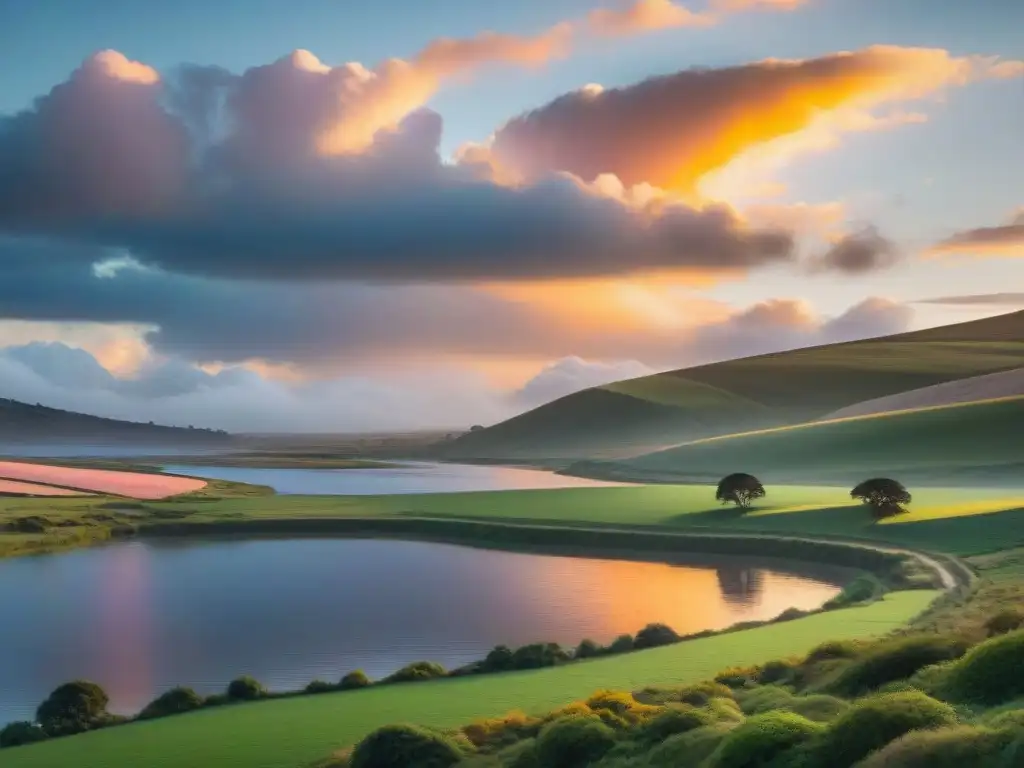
(22,423)
(633,417)
(959,444)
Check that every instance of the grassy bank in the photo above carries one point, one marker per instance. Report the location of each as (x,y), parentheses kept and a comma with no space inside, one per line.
(291,732)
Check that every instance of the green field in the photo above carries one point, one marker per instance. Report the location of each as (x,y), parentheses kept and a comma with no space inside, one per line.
(640,415)
(967,442)
(289,733)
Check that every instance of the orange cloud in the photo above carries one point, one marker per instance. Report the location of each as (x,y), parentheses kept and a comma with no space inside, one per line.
(671,131)
(646,16)
(1005,240)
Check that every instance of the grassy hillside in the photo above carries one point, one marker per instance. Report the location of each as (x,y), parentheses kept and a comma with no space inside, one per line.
(630,417)
(980,442)
(25,423)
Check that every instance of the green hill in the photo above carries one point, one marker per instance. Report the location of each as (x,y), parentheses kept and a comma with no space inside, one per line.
(640,415)
(952,445)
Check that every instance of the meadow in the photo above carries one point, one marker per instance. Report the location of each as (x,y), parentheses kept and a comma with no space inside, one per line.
(288,733)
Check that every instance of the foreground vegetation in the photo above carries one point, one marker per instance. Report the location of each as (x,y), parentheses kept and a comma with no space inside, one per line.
(291,732)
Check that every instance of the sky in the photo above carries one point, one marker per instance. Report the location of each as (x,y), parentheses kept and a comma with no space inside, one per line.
(326,215)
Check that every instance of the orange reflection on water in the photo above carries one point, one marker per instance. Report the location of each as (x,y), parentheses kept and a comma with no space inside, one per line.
(604,598)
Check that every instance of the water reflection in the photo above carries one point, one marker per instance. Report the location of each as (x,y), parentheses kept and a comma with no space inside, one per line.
(140,619)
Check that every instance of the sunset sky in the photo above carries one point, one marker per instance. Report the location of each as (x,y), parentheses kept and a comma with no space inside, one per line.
(349,216)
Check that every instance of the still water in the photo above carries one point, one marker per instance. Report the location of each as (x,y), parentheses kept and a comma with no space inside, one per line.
(141,617)
(405,477)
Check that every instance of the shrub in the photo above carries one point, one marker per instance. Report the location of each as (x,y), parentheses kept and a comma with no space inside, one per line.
(864,587)
(621,644)
(774,672)
(739,489)
(173,702)
(761,739)
(587,649)
(320,686)
(501,731)
(737,677)
(1005,621)
(245,688)
(819,708)
(71,707)
(215,700)
(19,733)
(416,672)
(674,720)
(832,649)
(498,659)
(871,723)
(406,746)
(764,698)
(897,660)
(355,679)
(701,694)
(946,748)
(573,742)
(654,635)
(538,655)
(618,702)
(990,672)
(688,749)
(791,614)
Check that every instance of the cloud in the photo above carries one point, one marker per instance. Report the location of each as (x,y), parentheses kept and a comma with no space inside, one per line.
(782,324)
(232,180)
(999,299)
(571,374)
(1004,240)
(238,399)
(671,130)
(858,253)
(646,16)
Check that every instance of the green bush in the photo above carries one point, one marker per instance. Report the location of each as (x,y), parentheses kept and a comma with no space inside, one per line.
(354,679)
(688,749)
(417,672)
(991,672)
(1005,621)
(173,702)
(819,708)
(897,660)
(245,688)
(573,742)
(621,644)
(762,739)
(21,732)
(406,746)
(864,587)
(674,720)
(961,747)
(774,672)
(654,635)
(587,649)
(538,655)
(764,698)
(832,649)
(498,659)
(701,694)
(73,707)
(873,722)
(320,686)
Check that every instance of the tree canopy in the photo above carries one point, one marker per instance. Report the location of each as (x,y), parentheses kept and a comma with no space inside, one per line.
(740,489)
(886,496)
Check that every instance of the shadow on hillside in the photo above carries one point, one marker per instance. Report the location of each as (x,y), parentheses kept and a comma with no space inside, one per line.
(842,520)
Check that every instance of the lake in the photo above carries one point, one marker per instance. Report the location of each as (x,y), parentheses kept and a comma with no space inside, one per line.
(402,478)
(142,617)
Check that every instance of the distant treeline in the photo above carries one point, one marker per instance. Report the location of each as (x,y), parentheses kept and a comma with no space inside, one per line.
(26,422)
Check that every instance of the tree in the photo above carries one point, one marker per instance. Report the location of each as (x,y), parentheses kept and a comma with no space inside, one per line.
(885,496)
(739,489)
(72,707)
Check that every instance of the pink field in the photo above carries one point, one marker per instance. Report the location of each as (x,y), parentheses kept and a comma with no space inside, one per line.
(13,486)
(135,485)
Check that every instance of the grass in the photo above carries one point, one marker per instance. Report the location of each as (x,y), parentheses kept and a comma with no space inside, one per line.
(751,393)
(943,441)
(288,733)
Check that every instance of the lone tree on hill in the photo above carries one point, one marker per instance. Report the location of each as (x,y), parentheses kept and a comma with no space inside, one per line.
(885,496)
(739,489)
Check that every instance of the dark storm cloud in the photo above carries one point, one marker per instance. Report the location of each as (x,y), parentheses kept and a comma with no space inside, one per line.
(858,253)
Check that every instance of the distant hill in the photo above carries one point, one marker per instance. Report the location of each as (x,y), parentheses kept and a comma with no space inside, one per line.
(22,423)
(950,444)
(640,415)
